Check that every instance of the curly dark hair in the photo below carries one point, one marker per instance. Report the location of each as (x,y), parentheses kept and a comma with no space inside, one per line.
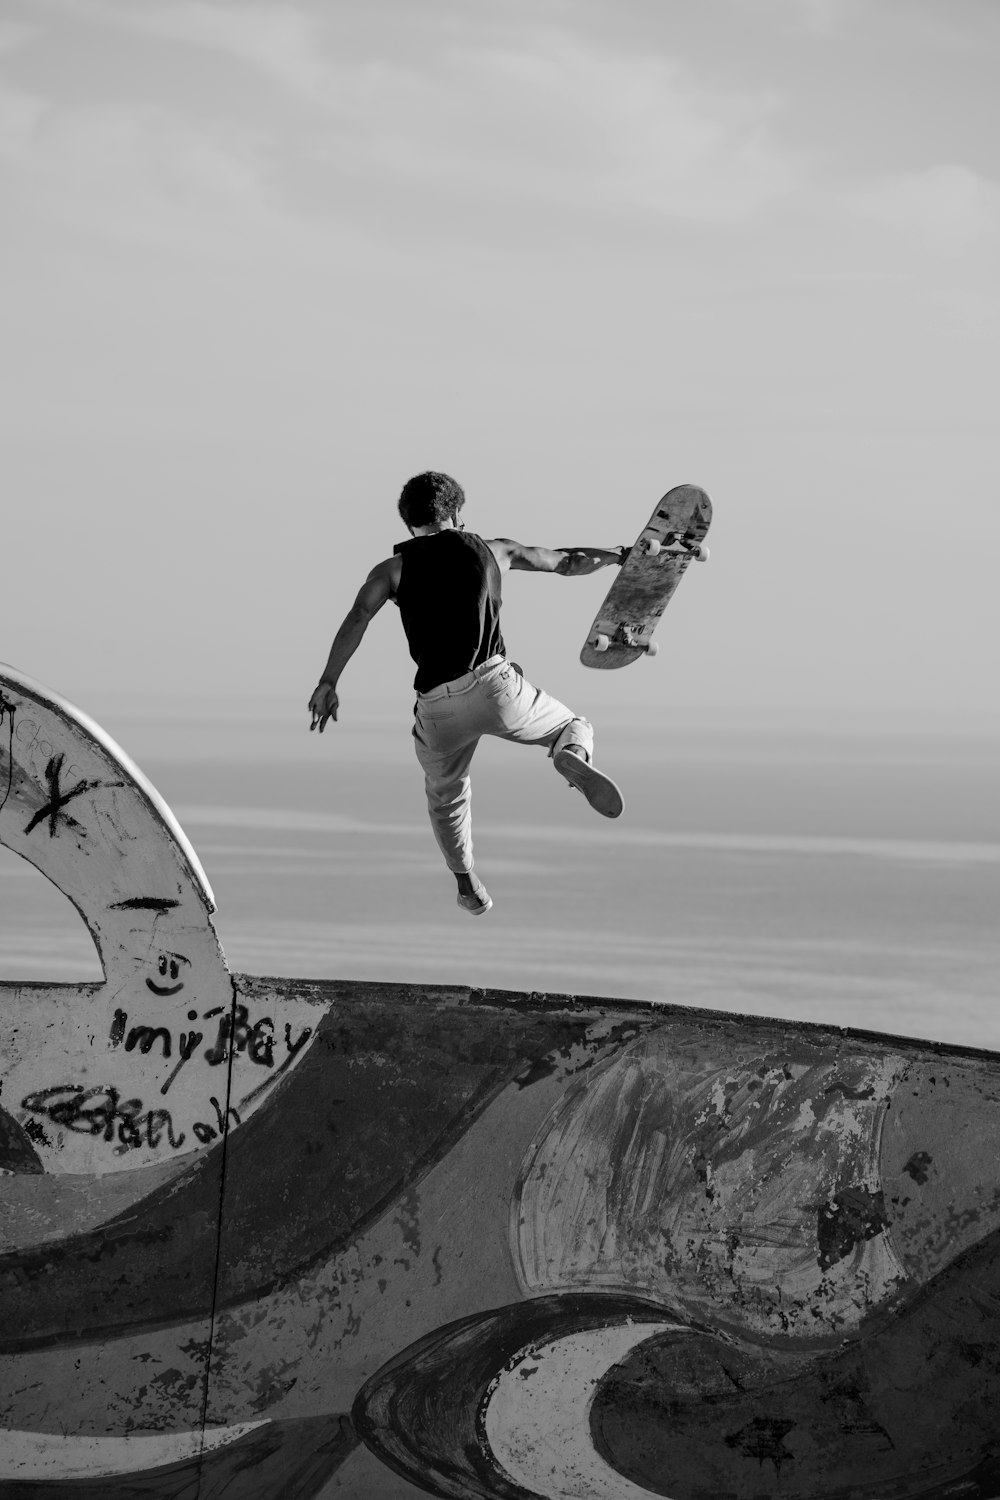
(430,498)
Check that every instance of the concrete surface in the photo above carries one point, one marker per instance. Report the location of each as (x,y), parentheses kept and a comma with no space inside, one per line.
(265,1238)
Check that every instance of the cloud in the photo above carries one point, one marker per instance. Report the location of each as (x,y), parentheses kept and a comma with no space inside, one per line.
(142,160)
(821,17)
(13,35)
(947,208)
(567,121)
(20,116)
(491,124)
(277,40)
(552,123)
(129,172)
(514,113)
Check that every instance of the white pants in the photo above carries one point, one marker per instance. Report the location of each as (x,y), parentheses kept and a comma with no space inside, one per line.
(449,722)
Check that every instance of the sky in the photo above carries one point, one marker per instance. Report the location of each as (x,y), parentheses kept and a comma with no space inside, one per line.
(261,261)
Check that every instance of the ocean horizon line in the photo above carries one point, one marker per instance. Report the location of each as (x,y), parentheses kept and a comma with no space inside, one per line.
(296,820)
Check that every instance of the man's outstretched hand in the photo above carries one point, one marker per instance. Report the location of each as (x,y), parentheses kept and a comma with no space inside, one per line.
(323,705)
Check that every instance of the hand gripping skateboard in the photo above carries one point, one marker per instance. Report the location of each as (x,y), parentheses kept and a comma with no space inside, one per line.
(674,534)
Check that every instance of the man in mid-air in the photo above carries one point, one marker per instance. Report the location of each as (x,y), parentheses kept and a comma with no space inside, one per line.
(446,582)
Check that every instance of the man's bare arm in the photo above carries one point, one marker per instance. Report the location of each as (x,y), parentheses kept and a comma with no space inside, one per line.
(571,562)
(378,587)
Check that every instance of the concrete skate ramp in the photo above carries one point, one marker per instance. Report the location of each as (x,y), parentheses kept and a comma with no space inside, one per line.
(267,1238)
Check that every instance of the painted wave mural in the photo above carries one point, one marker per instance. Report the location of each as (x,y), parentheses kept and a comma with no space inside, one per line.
(266,1237)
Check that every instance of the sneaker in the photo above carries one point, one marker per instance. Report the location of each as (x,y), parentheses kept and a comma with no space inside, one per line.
(478,902)
(599,790)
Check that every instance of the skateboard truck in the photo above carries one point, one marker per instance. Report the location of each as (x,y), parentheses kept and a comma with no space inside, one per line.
(624,635)
(675,546)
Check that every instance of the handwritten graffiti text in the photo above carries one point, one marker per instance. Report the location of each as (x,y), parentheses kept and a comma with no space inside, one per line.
(257,1041)
(103,1112)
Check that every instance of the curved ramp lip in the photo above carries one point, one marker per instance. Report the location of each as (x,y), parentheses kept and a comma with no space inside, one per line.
(45,695)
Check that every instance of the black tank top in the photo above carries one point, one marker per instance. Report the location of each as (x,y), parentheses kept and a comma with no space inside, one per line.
(449,601)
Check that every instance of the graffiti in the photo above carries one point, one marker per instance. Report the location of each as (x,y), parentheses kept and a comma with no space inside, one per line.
(235,1031)
(145,903)
(54,809)
(28,736)
(205,1133)
(256,1041)
(143,1037)
(8,711)
(186,1043)
(169,967)
(102,1112)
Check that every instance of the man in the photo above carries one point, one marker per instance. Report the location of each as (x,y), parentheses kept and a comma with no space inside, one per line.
(446,583)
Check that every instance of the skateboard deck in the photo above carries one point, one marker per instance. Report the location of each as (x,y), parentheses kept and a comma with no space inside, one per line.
(673,535)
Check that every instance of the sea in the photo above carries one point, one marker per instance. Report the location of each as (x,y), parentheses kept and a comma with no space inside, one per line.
(848,876)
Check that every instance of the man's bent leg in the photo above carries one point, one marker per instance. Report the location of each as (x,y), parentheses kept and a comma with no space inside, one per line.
(578,734)
(530,716)
(579,770)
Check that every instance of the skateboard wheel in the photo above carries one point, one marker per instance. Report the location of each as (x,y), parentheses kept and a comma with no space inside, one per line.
(601,642)
(701,552)
(652,546)
(652,647)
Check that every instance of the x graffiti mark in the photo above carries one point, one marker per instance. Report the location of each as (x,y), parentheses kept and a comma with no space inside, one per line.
(8,709)
(53,809)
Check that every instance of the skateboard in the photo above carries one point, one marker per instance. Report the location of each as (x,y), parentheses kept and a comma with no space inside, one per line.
(673,535)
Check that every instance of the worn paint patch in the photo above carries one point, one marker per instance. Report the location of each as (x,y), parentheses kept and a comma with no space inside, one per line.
(17,1153)
(746,1192)
(941,1160)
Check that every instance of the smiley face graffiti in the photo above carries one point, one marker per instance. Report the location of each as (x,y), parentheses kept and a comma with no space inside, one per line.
(169,968)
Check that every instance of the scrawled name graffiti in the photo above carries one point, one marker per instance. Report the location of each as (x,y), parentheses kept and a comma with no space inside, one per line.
(127,1124)
(234,1033)
(103,1112)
